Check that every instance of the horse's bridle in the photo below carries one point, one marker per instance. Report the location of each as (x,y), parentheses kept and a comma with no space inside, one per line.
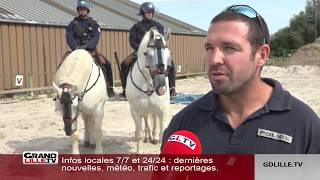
(66,101)
(158,45)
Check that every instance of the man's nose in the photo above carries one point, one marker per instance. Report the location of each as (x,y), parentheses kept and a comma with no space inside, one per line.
(214,56)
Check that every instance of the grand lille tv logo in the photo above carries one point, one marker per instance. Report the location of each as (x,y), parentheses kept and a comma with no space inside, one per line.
(40,157)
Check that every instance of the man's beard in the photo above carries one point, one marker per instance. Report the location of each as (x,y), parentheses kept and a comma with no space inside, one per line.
(236,82)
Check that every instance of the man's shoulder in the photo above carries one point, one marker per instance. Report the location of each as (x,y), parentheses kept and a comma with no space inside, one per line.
(73,20)
(191,116)
(76,19)
(295,111)
(136,25)
(139,23)
(158,23)
(300,108)
(92,20)
(283,100)
(196,106)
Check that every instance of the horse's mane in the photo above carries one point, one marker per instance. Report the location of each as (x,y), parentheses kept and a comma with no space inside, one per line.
(145,39)
(75,69)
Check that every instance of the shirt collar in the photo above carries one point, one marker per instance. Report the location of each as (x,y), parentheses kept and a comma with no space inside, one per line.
(280,99)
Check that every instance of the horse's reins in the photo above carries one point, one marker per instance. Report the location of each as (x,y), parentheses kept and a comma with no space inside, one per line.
(85,89)
(81,95)
(147,92)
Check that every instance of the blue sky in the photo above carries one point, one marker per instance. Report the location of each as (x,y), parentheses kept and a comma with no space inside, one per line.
(199,13)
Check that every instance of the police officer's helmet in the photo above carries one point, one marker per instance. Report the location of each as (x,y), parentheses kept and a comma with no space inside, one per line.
(83,4)
(146,7)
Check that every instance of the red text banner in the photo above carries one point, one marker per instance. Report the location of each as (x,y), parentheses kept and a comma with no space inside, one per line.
(45,167)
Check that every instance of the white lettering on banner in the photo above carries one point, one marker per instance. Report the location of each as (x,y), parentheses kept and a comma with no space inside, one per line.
(274,135)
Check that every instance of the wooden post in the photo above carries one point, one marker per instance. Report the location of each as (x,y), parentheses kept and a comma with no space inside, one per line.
(30,84)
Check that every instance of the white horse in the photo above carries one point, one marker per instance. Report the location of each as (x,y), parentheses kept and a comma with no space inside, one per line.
(147,88)
(80,87)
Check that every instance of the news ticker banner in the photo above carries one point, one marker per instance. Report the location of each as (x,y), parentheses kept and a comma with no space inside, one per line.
(47,165)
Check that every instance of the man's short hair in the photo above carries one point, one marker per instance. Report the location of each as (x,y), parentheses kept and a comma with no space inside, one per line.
(257,35)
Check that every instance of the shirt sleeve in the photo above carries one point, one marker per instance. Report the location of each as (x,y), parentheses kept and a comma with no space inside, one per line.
(133,38)
(71,41)
(93,42)
(314,145)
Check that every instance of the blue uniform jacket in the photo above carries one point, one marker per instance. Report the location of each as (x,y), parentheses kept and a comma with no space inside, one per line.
(139,29)
(83,33)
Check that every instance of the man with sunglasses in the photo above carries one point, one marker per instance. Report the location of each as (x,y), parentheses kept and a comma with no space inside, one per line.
(137,32)
(245,113)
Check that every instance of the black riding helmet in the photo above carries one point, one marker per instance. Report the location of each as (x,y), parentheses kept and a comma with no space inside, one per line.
(146,7)
(83,4)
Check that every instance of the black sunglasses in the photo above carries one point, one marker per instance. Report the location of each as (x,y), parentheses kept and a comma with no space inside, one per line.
(250,13)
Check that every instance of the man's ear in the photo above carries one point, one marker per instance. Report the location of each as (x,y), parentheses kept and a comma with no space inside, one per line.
(262,55)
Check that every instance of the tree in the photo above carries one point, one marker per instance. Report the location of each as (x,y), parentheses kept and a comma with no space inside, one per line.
(299,32)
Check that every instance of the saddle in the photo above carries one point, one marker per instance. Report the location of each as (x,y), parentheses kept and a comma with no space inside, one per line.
(131,58)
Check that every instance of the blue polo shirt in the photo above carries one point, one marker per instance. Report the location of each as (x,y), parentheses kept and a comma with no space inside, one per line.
(285,125)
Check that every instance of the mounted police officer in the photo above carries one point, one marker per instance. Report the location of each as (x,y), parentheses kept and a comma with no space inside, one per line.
(136,35)
(83,33)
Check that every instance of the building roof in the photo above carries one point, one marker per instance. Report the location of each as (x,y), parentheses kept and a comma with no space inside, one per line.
(111,14)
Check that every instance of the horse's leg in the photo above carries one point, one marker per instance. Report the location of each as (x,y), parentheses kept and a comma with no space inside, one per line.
(139,128)
(155,130)
(97,130)
(75,142)
(162,117)
(147,129)
(86,130)
(89,128)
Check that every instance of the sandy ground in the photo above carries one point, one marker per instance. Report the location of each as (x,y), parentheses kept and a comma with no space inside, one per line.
(33,124)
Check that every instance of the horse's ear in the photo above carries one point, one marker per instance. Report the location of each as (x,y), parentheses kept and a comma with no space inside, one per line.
(167,35)
(151,34)
(56,88)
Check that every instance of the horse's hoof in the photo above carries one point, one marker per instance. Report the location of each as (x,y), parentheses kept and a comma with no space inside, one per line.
(145,140)
(76,152)
(92,146)
(155,142)
(86,143)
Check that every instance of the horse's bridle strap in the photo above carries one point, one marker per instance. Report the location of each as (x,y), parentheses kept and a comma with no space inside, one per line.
(154,46)
(81,95)
(147,92)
